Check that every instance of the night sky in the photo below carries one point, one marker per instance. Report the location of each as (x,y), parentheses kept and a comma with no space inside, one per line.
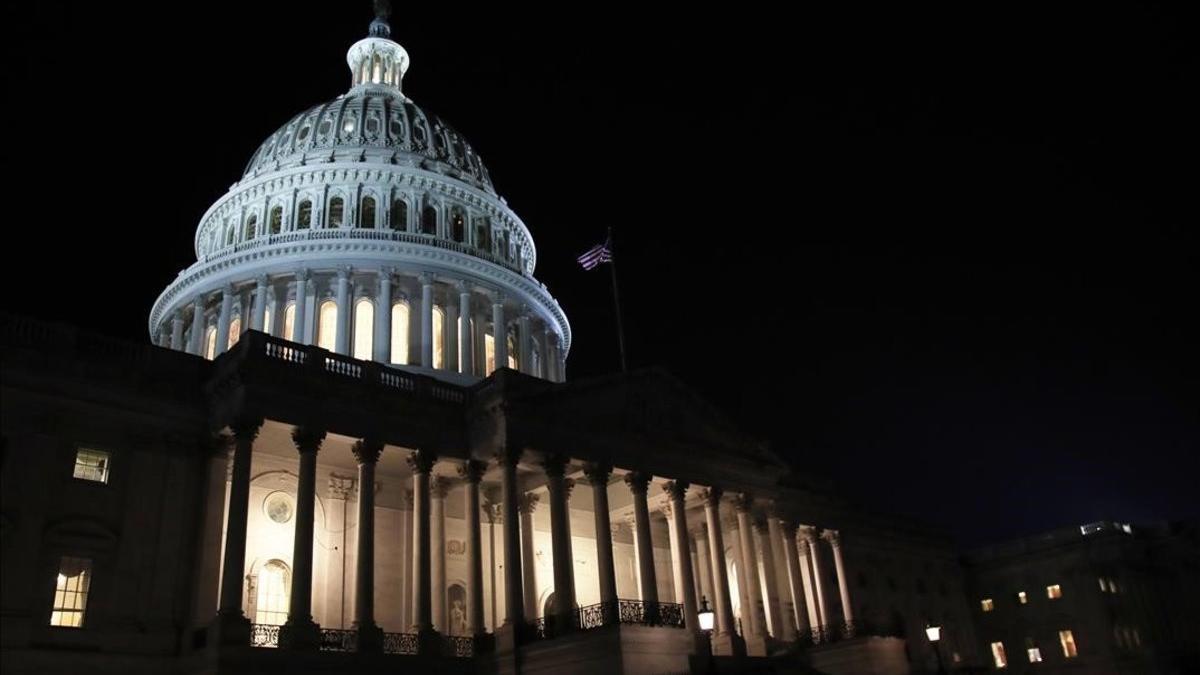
(946,257)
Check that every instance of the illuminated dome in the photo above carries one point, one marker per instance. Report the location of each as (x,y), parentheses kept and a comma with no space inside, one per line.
(368,226)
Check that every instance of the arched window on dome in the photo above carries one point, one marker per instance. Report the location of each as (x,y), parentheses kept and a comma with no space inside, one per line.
(235,332)
(364,324)
(337,207)
(512,352)
(489,353)
(376,69)
(251,226)
(289,322)
(366,213)
(230,235)
(399,215)
(502,244)
(400,333)
(276,220)
(327,319)
(439,337)
(304,215)
(458,225)
(429,219)
(483,234)
(210,343)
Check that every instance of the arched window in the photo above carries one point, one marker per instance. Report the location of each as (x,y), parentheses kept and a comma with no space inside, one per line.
(251,226)
(502,244)
(463,347)
(304,215)
(483,234)
(439,337)
(512,352)
(327,325)
(267,320)
(289,322)
(429,220)
(229,235)
(399,215)
(364,324)
(276,221)
(271,600)
(210,343)
(366,213)
(235,331)
(400,333)
(336,207)
(489,353)
(458,226)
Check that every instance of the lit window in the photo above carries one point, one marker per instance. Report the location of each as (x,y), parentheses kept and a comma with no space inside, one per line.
(276,219)
(987,605)
(489,353)
(1126,528)
(364,322)
(272,597)
(1103,585)
(336,206)
(289,322)
(348,125)
(1035,655)
(251,226)
(235,331)
(1054,592)
(1137,637)
(462,348)
(267,320)
(1068,644)
(71,591)
(210,343)
(91,465)
(304,215)
(998,655)
(1112,585)
(1022,598)
(512,352)
(327,325)
(439,338)
(399,333)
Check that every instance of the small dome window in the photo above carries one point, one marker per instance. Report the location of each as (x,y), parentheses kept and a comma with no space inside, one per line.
(399,215)
(336,209)
(276,221)
(458,225)
(324,127)
(348,125)
(304,215)
(251,226)
(429,220)
(372,125)
(304,131)
(397,128)
(366,213)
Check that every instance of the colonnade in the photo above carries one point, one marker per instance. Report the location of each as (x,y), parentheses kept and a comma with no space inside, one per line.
(429,333)
(697,580)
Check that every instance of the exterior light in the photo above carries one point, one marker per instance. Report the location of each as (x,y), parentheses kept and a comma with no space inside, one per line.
(705,615)
(934,632)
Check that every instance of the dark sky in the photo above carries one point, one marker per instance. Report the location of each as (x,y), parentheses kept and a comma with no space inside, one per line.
(947,257)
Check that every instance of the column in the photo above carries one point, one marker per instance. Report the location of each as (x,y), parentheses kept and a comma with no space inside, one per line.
(177,331)
(300,632)
(524,343)
(464,330)
(766,565)
(704,568)
(786,620)
(196,343)
(450,330)
(560,542)
(513,604)
(299,334)
(233,626)
(528,504)
(223,320)
(370,636)
(724,640)
(677,491)
(835,542)
(439,488)
(808,553)
(472,472)
(672,541)
(260,302)
(426,320)
(598,475)
(756,633)
(796,584)
(630,522)
(638,482)
(421,462)
(547,354)
(381,342)
(499,331)
(341,340)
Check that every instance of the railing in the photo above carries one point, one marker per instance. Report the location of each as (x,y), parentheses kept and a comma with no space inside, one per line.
(285,352)
(400,643)
(630,612)
(595,616)
(264,635)
(459,646)
(337,640)
(343,365)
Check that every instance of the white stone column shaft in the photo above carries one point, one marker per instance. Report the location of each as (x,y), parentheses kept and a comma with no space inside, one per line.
(260,303)
(381,346)
(223,320)
(835,542)
(427,321)
(345,313)
(685,576)
(464,329)
(499,333)
(196,343)
(300,316)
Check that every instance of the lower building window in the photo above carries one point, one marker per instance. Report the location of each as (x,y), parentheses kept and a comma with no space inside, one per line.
(274,582)
(1034,652)
(987,605)
(91,465)
(71,591)
(998,655)
(1068,644)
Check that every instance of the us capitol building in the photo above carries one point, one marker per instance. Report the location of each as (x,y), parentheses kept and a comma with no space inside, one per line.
(353,447)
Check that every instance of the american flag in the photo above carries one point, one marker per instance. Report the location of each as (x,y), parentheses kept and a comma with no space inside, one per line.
(600,253)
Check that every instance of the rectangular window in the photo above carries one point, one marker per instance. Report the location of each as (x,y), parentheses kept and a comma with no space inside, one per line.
(71,591)
(998,655)
(987,605)
(1054,592)
(1022,598)
(1068,644)
(92,465)
(1103,585)
(1035,655)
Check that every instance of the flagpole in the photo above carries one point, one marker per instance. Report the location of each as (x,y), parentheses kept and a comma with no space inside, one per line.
(612,264)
